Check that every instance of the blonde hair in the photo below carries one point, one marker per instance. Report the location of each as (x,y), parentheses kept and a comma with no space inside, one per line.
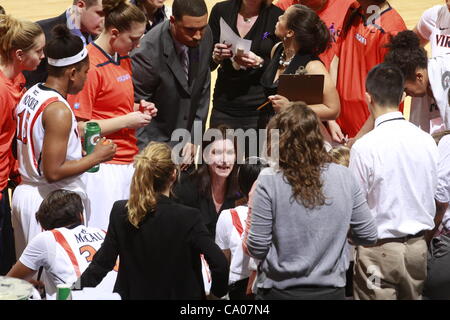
(340,155)
(15,35)
(153,171)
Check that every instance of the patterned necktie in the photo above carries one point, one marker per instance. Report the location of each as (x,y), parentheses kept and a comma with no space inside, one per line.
(184,59)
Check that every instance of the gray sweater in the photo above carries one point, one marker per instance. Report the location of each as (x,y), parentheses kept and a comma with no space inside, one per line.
(302,247)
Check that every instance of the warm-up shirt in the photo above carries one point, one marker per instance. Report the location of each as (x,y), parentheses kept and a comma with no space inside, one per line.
(359,50)
(11,90)
(108,93)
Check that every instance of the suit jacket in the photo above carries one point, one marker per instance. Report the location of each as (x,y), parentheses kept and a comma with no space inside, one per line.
(40,74)
(161,258)
(158,76)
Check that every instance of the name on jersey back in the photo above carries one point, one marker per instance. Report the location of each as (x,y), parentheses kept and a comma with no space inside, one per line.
(88,237)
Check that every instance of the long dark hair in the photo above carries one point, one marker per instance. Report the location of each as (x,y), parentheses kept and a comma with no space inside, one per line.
(202,176)
(311,33)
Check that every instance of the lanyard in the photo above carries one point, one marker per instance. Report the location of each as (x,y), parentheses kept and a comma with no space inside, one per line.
(400,118)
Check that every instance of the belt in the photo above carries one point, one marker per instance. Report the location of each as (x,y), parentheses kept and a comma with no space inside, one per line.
(400,239)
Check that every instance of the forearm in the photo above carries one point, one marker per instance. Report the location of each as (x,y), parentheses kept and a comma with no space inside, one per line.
(70,168)
(441,208)
(324,112)
(367,127)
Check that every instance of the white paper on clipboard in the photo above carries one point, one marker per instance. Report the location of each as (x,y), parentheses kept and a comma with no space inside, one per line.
(227,35)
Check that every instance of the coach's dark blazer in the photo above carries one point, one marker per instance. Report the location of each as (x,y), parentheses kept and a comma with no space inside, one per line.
(161,258)
(159,77)
(40,74)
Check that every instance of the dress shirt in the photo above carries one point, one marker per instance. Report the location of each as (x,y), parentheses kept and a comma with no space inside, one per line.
(396,164)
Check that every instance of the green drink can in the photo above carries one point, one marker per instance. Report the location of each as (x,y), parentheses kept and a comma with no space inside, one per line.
(63,292)
(91,137)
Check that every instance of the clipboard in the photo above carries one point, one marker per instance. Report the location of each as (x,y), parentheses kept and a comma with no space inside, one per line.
(302,87)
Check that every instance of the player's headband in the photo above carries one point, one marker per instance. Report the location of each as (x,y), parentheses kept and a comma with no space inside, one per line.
(64,62)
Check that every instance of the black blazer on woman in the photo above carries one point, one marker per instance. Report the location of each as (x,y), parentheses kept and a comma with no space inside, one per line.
(239,93)
(161,259)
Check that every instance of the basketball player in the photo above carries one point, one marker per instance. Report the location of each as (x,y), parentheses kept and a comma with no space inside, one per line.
(65,249)
(367,29)
(108,98)
(21,48)
(48,141)
(434,28)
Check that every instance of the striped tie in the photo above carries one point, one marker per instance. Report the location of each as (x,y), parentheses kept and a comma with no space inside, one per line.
(184,59)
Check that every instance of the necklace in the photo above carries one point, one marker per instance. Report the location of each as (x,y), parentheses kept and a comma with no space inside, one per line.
(283,62)
(248,20)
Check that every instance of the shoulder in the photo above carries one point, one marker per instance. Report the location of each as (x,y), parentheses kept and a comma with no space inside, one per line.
(119,208)
(156,32)
(48,24)
(57,112)
(274,11)
(444,143)
(268,176)
(41,240)
(363,144)
(432,13)
(392,21)
(316,67)
(222,6)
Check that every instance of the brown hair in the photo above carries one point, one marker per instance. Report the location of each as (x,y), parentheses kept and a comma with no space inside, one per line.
(311,33)
(302,154)
(60,208)
(153,170)
(202,175)
(120,14)
(340,155)
(89,3)
(15,35)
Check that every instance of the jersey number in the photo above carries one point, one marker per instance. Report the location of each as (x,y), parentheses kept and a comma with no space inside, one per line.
(22,126)
(91,253)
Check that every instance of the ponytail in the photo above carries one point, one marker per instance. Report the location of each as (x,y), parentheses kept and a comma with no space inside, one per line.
(120,14)
(153,171)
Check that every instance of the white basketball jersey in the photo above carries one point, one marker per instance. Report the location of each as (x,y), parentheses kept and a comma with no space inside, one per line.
(30,137)
(435,26)
(74,251)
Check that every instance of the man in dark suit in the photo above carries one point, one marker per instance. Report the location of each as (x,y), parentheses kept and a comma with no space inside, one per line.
(171,69)
(84,19)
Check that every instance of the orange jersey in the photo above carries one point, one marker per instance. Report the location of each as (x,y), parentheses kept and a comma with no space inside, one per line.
(333,15)
(359,50)
(10,93)
(108,93)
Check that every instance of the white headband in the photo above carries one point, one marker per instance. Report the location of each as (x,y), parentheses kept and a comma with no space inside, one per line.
(64,62)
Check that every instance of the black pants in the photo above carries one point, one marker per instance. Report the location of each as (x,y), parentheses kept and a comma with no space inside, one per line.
(237,290)
(437,285)
(301,293)
(7,251)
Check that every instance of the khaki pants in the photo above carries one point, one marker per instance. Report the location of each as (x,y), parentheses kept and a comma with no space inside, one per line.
(391,271)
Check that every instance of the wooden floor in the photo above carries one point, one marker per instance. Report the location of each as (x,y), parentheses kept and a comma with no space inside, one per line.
(40,9)
(410,10)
